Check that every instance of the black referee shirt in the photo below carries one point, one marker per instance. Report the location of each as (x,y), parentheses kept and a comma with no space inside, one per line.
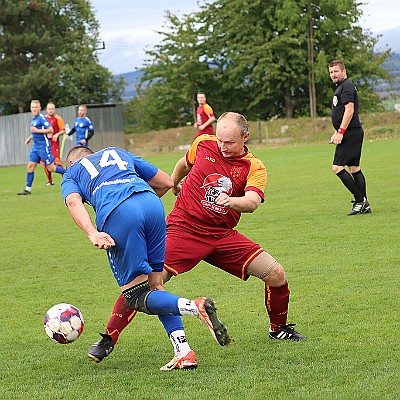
(345,93)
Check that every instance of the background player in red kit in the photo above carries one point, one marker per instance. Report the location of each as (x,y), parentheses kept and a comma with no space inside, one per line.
(222,181)
(205,116)
(58,129)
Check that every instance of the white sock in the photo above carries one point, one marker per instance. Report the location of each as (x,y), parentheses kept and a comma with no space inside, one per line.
(179,343)
(28,189)
(187,307)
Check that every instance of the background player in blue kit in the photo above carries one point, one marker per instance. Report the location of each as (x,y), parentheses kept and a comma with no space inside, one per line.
(41,149)
(83,127)
(124,191)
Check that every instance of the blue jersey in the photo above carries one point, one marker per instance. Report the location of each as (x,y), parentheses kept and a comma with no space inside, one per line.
(82,127)
(106,178)
(40,139)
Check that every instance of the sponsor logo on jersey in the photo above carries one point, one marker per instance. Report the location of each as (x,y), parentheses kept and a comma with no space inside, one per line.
(214,185)
(209,158)
(335,101)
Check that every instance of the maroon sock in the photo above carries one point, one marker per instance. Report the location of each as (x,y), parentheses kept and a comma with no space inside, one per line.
(277,303)
(120,317)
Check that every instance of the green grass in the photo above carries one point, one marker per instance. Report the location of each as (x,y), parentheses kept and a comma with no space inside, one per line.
(277,132)
(343,274)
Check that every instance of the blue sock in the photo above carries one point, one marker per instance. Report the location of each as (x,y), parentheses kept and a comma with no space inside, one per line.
(60,169)
(29,178)
(162,303)
(171,323)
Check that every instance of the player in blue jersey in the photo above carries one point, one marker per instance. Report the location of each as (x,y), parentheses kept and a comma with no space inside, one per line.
(124,191)
(83,127)
(41,150)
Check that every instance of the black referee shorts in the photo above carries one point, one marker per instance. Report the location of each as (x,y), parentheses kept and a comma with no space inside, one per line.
(349,151)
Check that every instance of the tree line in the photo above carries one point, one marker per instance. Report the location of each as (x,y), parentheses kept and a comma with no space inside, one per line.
(48,52)
(263,58)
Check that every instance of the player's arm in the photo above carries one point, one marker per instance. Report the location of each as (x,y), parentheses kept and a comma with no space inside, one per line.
(28,140)
(245,204)
(161,182)
(61,128)
(180,171)
(44,131)
(347,116)
(90,134)
(72,131)
(208,122)
(81,217)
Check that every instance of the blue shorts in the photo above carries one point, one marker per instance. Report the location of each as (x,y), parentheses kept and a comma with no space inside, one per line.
(41,153)
(137,226)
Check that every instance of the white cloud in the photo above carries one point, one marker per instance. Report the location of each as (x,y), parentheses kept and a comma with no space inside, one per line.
(380,15)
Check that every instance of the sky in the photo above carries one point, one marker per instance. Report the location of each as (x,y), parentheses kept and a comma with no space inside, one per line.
(128,27)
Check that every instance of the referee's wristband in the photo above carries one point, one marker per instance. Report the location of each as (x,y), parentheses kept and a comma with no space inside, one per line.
(341,131)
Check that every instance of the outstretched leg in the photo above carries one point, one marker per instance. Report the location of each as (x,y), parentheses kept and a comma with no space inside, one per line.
(277,294)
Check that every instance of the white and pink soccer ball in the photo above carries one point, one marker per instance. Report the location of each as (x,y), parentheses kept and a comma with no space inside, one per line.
(63,323)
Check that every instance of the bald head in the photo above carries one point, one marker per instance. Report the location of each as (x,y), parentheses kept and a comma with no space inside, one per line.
(238,119)
(76,153)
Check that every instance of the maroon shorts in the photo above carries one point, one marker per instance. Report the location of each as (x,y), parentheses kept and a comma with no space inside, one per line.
(232,252)
(55,149)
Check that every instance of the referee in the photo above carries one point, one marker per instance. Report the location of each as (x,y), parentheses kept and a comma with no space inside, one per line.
(348,137)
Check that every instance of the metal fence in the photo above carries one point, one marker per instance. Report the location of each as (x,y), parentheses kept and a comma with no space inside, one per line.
(107,120)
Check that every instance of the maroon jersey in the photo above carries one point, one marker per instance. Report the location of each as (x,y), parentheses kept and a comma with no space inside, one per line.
(212,174)
(204,113)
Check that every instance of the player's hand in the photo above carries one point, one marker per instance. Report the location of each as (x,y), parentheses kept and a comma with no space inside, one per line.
(83,142)
(224,200)
(102,240)
(55,137)
(156,281)
(176,189)
(336,138)
(28,140)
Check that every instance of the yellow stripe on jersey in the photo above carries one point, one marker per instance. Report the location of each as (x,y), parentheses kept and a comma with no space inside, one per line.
(191,153)
(208,110)
(257,176)
(60,122)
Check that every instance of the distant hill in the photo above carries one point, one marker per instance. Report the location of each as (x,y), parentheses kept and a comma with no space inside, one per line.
(132,79)
(389,38)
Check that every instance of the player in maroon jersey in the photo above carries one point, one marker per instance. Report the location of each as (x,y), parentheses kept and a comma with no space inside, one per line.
(223,180)
(204,116)
(58,129)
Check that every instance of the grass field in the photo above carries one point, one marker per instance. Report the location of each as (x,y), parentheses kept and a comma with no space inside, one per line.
(343,274)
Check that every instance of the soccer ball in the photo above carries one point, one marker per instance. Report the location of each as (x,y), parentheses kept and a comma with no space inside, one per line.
(63,323)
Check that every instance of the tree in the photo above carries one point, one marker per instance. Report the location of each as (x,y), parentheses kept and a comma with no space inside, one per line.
(173,74)
(261,57)
(47,51)
(281,49)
